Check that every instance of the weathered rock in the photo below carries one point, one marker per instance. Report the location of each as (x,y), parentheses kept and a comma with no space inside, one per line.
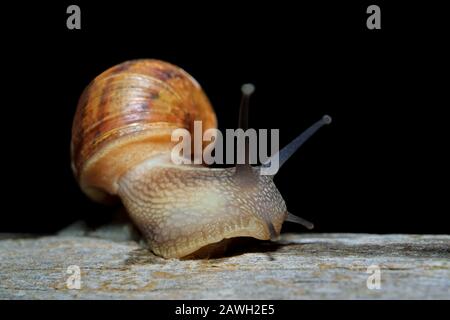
(298,266)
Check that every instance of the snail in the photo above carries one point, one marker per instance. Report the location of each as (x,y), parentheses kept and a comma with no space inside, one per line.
(120,148)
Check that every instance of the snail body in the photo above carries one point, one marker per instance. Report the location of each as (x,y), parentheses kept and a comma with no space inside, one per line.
(121,146)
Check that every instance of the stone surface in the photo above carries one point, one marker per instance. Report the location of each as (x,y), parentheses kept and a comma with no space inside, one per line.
(298,266)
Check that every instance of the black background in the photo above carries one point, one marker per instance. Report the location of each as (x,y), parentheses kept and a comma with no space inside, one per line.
(380,167)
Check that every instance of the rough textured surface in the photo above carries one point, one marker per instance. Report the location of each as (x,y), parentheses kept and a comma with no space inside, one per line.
(301,266)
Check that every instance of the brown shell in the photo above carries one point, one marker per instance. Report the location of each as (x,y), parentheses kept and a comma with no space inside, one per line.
(126,115)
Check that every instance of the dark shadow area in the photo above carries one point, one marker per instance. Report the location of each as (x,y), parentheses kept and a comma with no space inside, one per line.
(234,247)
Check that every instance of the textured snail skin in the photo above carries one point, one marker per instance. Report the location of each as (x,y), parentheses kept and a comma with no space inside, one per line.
(121,144)
(181,209)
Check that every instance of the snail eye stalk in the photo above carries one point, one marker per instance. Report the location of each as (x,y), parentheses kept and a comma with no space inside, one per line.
(295,144)
(247,90)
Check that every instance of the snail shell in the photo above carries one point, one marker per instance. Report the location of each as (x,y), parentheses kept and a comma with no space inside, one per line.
(126,115)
